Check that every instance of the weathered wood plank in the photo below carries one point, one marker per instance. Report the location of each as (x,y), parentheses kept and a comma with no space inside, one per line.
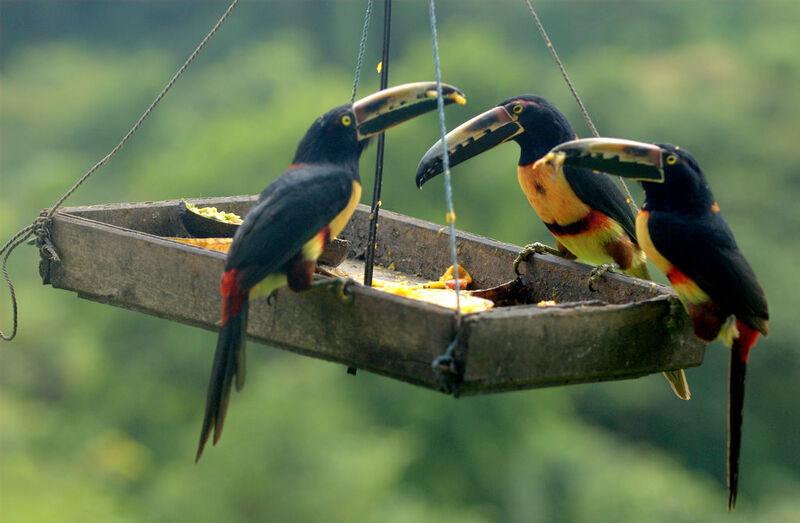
(181,282)
(110,254)
(524,347)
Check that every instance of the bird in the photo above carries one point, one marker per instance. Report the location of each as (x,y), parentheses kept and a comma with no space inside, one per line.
(287,228)
(588,215)
(684,234)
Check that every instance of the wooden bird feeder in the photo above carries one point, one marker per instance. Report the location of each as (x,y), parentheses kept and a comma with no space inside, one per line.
(625,328)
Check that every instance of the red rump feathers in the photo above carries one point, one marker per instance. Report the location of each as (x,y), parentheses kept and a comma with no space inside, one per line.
(232,295)
(745,341)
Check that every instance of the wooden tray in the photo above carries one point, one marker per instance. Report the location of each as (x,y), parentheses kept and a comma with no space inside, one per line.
(117,254)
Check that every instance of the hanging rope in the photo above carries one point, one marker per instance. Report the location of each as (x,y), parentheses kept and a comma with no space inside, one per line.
(40,226)
(446,362)
(372,234)
(8,248)
(362,46)
(574,93)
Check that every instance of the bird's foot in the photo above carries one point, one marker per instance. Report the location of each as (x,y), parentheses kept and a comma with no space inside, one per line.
(534,248)
(599,271)
(338,285)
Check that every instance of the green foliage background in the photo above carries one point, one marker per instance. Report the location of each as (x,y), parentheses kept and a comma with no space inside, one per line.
(101,407)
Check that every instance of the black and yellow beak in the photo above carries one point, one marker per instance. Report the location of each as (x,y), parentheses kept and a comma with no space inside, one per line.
(379,111)
(626,158)
(485,131)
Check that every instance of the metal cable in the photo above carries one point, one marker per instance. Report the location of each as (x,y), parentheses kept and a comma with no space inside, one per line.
(574,92)
(362,46)
(372,234)
(39,223)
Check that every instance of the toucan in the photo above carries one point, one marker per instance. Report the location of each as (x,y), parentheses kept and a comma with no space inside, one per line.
(588,214)
(682,230)
(286,230)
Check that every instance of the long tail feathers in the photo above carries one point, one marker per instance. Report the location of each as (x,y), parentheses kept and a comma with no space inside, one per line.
(229,363)
(740,350)
(680,386)
(735,406)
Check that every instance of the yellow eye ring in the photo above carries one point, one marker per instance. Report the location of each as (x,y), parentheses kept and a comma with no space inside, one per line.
(672,159)
(517,109)
(346,120)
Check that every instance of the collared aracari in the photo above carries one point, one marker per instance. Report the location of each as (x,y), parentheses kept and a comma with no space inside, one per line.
(588,215)
(285,232)
(681,229)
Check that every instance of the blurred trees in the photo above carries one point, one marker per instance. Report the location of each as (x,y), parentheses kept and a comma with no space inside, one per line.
(101,407)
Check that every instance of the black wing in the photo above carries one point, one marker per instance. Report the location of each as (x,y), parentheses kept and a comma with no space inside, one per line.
(704,249)
(600,192)
(289,212)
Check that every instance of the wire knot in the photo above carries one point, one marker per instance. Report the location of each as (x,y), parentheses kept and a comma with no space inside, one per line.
(448,369)
(41,230)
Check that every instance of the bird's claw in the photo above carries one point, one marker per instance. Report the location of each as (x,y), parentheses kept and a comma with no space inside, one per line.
(531,249)
(325,272)
(339,286)
(599,271)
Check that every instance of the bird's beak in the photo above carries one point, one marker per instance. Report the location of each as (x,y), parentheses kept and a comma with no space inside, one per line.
(469,139)
(379,111)
(626,158)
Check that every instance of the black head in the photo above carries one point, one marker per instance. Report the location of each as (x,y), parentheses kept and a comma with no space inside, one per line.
(544,126)
(530,120)
(340,135)
(684,187)
(332,138)
(671,177)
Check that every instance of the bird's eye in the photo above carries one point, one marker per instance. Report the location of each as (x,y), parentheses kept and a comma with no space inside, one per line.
(517,108)
(346,120)
(672,159)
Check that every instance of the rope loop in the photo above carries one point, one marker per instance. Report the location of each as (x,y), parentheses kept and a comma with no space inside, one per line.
(6,251)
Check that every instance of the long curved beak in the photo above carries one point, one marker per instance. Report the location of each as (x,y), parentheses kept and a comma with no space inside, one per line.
(481,133)
(626,158)
(379,111)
